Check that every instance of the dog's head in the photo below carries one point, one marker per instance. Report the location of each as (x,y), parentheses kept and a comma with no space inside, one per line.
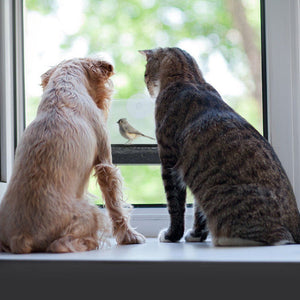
(93,73)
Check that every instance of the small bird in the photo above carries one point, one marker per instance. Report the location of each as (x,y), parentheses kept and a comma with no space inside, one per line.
(129,132)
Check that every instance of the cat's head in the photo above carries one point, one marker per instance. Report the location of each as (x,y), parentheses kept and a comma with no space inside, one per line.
(152,71)
(166,65)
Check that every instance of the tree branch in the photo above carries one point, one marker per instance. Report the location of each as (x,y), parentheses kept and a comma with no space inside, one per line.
(237,10)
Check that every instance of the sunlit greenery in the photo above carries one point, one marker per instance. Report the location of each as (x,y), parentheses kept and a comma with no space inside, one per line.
(142,183)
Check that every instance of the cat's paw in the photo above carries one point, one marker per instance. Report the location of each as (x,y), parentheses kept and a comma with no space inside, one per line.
(162,236)
(165,237)
(192,237)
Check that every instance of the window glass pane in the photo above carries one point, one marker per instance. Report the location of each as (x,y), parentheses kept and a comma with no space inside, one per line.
(222,35)
(142,185)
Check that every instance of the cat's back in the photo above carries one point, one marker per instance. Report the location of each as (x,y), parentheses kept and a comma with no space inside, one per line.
(184,108)
(184,94)
(216,139)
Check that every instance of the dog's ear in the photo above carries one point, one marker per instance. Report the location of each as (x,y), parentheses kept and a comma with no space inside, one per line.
(107,68)
(46,76)
(97,69)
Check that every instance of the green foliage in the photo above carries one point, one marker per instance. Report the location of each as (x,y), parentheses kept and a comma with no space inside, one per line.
(31,108)
(44,7)
(142,185)
(123,27)
(251,112)
(120,28)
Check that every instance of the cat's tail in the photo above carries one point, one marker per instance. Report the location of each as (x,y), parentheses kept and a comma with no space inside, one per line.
(296,235)
(3,248)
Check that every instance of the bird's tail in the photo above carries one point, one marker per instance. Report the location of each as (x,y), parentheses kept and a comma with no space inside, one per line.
(149,137)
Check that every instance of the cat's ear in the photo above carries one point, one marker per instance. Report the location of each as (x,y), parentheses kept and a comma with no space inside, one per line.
(146,53)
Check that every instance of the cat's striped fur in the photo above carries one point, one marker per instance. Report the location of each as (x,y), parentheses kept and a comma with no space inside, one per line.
(242,193)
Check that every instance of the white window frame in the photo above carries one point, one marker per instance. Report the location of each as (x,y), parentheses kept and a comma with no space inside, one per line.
(11,85)
(282,29)
(282,19)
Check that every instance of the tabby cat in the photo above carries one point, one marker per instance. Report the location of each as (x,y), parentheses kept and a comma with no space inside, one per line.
(242,193)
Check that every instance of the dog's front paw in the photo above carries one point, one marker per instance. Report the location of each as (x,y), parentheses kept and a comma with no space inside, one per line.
(166,237)
(192,237)
(131,237)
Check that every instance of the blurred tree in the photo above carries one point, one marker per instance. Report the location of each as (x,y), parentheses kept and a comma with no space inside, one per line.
(120,28)
(44,7)
(250,42)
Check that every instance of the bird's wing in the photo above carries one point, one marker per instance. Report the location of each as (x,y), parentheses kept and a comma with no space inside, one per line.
(131,129)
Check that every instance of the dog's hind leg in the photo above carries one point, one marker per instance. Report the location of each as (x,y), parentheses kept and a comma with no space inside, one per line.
(70,243)
(110,182)
(88,230)
(20,244)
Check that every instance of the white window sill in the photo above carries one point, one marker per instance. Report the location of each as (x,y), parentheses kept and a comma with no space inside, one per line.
(155,271)
(154,251)
(151,220)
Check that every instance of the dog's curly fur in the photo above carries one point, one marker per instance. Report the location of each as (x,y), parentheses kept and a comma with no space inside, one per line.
(45,207)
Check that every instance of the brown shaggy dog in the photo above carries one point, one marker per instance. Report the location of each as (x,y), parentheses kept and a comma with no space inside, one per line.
(45,207)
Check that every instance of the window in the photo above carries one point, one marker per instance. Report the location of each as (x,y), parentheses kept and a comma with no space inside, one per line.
(228,54)
(282,76)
